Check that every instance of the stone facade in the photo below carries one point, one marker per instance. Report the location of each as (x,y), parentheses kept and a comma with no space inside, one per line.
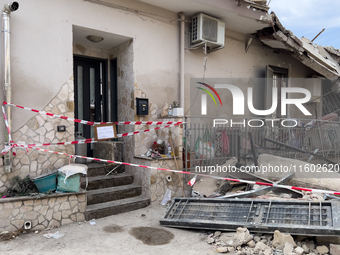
(47,212)
(43,129)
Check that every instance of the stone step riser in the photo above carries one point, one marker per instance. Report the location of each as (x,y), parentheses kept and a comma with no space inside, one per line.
(103,170)
(104,212)
(111,196)
(106,183)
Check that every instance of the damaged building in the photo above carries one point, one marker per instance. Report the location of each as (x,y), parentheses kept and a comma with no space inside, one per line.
(126,62)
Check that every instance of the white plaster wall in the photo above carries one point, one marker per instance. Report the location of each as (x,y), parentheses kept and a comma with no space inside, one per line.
(234,62)
(42,47)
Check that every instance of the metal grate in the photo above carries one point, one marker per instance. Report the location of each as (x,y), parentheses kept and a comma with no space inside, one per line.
(194,28)
(308,218)
(209,29)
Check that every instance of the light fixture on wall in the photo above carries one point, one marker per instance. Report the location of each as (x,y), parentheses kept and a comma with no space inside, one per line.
(94,38)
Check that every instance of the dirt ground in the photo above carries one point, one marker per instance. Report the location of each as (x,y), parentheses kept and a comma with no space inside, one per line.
(113,235)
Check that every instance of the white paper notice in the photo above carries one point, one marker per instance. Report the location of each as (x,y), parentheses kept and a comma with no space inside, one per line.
(105,132)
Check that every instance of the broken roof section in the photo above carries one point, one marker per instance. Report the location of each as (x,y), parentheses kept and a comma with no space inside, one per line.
(251,17)
(324,61)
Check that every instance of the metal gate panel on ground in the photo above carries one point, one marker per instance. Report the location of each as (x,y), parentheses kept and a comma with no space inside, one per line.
(266,216)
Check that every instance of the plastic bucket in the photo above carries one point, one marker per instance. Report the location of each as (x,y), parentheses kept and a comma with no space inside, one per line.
(46,182)
(72,183)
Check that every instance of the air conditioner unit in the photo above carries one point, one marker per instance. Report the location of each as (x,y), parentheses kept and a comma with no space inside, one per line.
(207,29)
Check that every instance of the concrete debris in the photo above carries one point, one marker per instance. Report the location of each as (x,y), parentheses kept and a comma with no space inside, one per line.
(280,238)
(261,247)
(283,244)
(334,249)
(322,249)
(251,244)
(299,251)
(288,249)
(241,237)
(222,249)
(210,240)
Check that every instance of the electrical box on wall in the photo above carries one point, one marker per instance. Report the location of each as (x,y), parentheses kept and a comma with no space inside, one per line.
(142,105)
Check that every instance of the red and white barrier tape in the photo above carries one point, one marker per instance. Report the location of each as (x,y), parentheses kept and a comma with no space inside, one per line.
(90,123)
(6,123)
(91,140)
(203,175)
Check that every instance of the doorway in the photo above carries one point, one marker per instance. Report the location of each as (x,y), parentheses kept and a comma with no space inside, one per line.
(91,97)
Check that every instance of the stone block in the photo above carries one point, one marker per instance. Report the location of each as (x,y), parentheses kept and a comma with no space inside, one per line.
(4,223)
(66,214)
(73,217)
(15,212)
(8,206)
(82,198)
(51,202)
(82,207)
(38,228)
(65,206)
(37,202)
(62,199)
(18,223)
(56,208)
(80,217)
(49,215)
(57,216)
(30,215)
(37,208)
(43,210)
(41,219)
(66,221)
(25,209)
(54,224)
(72,198)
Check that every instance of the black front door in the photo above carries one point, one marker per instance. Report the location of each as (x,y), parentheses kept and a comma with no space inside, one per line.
(90,94)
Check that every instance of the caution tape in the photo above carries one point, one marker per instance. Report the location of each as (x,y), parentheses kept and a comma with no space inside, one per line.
(6,123)
(91,123)
(189,173)
(91,140)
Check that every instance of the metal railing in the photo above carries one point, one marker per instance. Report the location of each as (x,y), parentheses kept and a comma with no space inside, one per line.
(206,145)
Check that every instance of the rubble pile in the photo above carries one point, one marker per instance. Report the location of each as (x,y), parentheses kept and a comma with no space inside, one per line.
(244,243)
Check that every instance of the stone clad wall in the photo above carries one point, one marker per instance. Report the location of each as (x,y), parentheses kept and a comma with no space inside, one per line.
(51,211)
(43,129)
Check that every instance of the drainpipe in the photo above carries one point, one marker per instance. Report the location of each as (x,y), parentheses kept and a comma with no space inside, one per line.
(182,33)
(6,11)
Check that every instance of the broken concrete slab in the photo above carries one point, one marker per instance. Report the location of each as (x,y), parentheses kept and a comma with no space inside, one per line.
(288,249)
(299,250)
(241,237)
(303,173)
(261,247)
(280,238)
(322,249)
(334,249)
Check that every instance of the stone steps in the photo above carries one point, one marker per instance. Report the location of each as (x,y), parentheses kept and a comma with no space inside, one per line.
(96,169)
(102,181)
(112,193)
(101,210)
